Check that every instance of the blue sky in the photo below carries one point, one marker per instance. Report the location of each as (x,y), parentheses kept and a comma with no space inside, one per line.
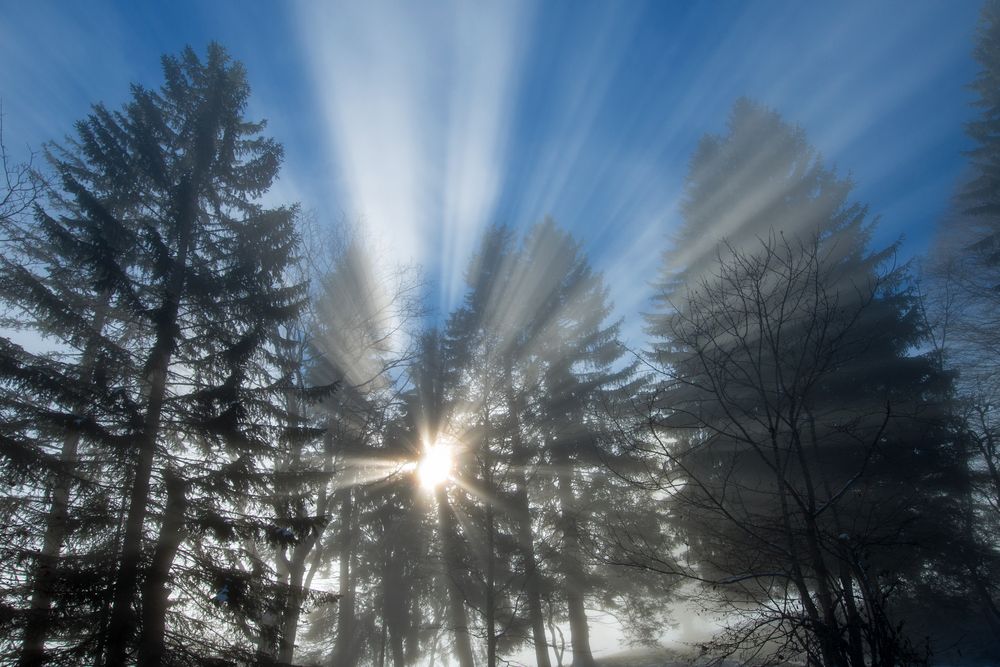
(428,120)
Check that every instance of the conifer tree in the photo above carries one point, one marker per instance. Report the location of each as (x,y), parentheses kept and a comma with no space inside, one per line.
(980,197)
(964,267)
(63,417)
(357,479)
(961,302)
(530,359)
(802,437)
(157,208)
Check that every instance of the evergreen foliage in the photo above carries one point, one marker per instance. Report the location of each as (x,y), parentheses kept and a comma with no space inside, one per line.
(215,417)
(165,280)
(530,364)
(960,300)
(806,437)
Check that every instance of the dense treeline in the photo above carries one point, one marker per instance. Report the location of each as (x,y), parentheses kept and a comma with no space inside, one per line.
(229,437)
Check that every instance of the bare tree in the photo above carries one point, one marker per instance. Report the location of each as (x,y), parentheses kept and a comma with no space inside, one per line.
(801,449)
(20,187)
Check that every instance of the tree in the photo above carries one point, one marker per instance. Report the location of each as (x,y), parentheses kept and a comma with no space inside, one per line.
(426,418)
(803,444)
(20,185)
(980,193)
(354,476)
(960,298)
(529,362)
(157,210)
(59,410)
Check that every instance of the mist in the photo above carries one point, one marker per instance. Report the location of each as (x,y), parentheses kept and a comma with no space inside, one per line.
(564,334)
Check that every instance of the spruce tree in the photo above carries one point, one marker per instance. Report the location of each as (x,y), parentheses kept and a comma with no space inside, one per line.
(65,401)
(158,206)
(961,301)
(979,196)
(530,364)
(358,479)
(805,444)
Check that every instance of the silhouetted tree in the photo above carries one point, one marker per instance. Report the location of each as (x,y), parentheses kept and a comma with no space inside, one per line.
(158,215)
(19,185)
(980,194)
(960,298)
(63,412)
(531,363)
(802,441)
(357,479)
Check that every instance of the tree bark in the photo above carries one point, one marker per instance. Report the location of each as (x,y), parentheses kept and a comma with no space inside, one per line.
(155,591)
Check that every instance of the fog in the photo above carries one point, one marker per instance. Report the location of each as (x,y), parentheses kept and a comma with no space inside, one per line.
(584,334)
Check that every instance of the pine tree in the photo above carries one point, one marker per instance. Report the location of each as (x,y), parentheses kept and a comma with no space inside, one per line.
(62,428)
(980,193)
(805,440)
(530,364)
(157,206)
(961,299)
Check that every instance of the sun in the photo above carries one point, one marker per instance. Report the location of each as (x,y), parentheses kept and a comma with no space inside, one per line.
(434,468)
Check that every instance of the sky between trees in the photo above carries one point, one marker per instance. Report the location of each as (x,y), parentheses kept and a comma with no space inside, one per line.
(241,429)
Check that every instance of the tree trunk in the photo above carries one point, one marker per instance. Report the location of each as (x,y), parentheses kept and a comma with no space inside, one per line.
(799,579)
(829,634)
(396,644)
(155,591)
(391,615)
(855,645)
(854,621)
(413,627)
(291,571)
(37,628)
(121,627)
(573,570)
(525,536)
(301,568)
(491,612)
(343,652)
(525,540)
(381,645)
(293,601)
(456,611)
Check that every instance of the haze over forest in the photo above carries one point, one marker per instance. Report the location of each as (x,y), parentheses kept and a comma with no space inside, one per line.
(559,334)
